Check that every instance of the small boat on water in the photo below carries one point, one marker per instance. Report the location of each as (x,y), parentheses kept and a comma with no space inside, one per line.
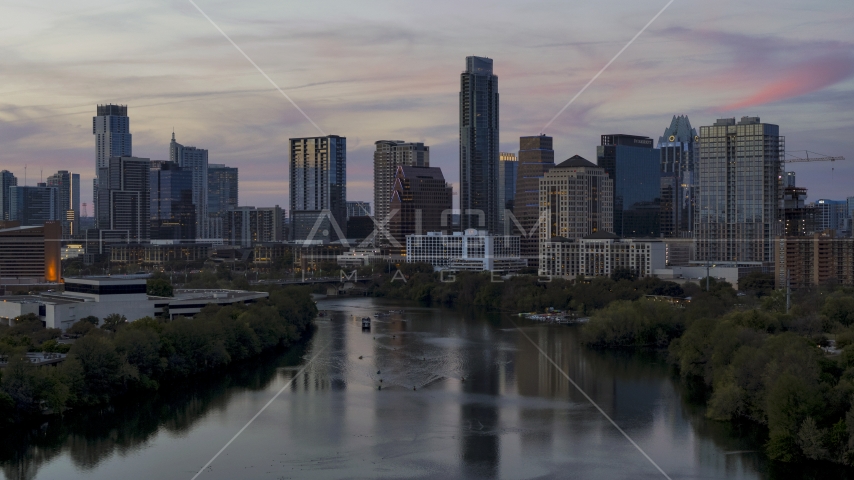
(366,323)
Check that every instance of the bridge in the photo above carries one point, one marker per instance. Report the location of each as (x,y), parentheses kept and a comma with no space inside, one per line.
(340,285)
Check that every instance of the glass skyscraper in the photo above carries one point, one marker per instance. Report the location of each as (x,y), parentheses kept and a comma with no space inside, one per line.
(740,189)
(508,165)
(173,215)
(536,157)
(32,206)
(318,176)
(479,202)
(111,128)
(634,166)
(222,196)
(7,179)
(68,189)
(194,160)
(678,147)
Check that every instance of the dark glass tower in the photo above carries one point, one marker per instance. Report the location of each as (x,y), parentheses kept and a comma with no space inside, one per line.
(536,157)
(678,147)
(173,215)
(479,203)
(634,165)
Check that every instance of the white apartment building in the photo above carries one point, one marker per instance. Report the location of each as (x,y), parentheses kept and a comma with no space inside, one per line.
(599,255)
(472,250)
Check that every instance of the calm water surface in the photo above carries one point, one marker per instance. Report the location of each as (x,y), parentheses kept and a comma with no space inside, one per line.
(463,395)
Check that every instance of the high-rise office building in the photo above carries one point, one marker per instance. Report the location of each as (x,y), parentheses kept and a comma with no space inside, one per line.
(68,190)
(831,215)
(576,200)
(173,215)
(194,160)
(124,197)
(419,201)
(536,157)
(246,226)
(739,185)
(634,166)
(479,146)
(389,155)
(7,179)
(507,168)
(222,196)
(678,147)
(359,209)
(318,188)
(789,180)
(111,128)
(33,206)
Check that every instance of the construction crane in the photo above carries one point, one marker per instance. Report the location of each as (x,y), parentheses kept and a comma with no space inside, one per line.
(806,158)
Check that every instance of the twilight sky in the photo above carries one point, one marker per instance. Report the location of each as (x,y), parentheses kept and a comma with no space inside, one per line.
(371,70)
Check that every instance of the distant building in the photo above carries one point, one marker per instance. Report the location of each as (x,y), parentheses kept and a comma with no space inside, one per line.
(831,215)
(30,252)
(7,179)
(575,200)
(68,196)
(389,155)
(678,148)
(173,215)
(508,167)
(159,253)
(635,167)
(790,180)
(359,209)
(599,254)
(33,206)
(819,259)
(798,217)
(739,187)
(194,160)
(471,250)
(111,128)
(536,157)
(246,226)
(318,188)
(479,203)
(222,195)
(124,195)
(419,201)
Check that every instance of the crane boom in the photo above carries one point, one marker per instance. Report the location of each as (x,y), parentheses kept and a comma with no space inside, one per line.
(807,158)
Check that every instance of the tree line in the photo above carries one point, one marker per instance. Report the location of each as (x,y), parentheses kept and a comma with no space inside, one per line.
(121,357)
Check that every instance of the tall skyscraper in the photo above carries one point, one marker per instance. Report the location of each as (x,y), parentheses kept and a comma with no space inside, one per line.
(245,226)
(7,179)
(576,200)
(33,206)
(318,188)
(634,165)
(831,215)
(222,196)
(536,157)
(507,169)
(124,197)
(419,200)
(739,185)
(479,203)
(173,215)
(194,160)
(389,155)
(358,209)
(68,191)
(111,128)
(678,147)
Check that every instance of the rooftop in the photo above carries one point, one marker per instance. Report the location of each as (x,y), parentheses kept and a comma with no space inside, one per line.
(576,161)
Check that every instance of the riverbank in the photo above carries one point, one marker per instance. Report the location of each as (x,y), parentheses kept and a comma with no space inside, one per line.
(129,358)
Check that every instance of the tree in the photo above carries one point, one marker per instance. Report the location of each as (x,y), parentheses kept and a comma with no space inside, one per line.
(113,321)
(757,283)
(159,287)
(623,273)
(91,319)
(81,327)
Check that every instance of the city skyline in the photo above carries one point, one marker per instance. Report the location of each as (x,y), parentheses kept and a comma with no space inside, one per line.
(800,78)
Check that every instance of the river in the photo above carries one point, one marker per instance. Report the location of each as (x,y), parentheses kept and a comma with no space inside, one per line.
(427,394)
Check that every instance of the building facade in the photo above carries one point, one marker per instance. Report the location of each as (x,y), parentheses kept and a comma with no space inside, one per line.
(30,252)
(194,160)
(222,195)
(246,226)
(111,127)
(173,215)
(635,167)
(33,206)
(124,197)
(536,157)
(318,188)
(508,167)
(421,202)
(68,196)
(678,150)
(471,250)
(598,255)
(798,217)
(575,201)
(832,215)
(359,209)
(819,259)
(479,203)
(739,182)
(389,155)
(7,179)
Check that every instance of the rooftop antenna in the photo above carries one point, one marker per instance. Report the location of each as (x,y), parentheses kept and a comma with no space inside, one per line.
(25,174)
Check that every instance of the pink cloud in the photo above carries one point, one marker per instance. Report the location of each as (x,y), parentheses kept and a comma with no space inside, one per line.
(806,77)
